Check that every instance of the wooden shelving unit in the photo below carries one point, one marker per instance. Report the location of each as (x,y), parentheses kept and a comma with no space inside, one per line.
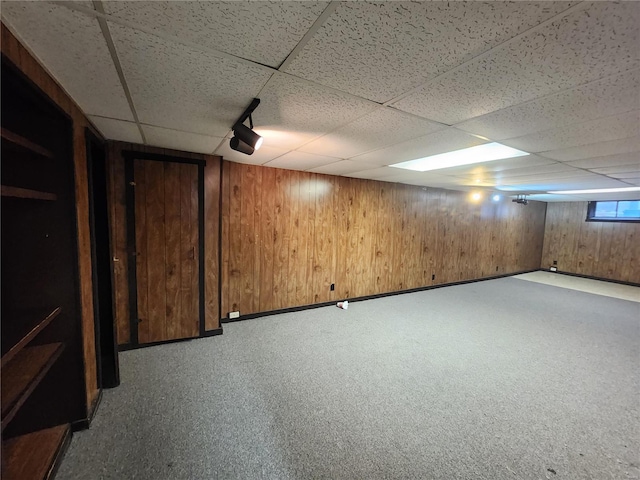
(42,392)
(43,316)
(24,143)
(16,192)
(22,374)
(35,455)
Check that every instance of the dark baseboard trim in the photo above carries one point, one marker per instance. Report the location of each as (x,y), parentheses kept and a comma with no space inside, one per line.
(212,333)
(591,277)
(369,297)
(79,425)
(130,346)
(84,423)
(59,455)
(95,405)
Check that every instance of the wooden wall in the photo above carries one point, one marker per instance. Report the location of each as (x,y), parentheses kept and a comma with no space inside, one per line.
(30,67)
(608,250)
(288,235)
(117,214)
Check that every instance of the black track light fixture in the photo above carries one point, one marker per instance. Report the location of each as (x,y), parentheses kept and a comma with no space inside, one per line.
(521,199)
(245,140)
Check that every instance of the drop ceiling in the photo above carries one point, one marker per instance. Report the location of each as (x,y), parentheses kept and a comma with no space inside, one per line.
(348,88)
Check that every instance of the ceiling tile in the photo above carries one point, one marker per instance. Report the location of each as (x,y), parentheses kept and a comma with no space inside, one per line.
(619,126)
(73,49)
(586,45)
(445,140)
(614,147)
(552,168)
(573,174)
(117,129)
(427,178)
(615,171)
(189,142)
(293,112)
(300,161)
(264,32)
(378,50)
(609,96)
(382,127)
(177,87)
(376,173)
(263,155)
(626,176)
(340,167)
(551,183)
(547,197)
(608,196)
(632,158)
(633,181)
(478,170)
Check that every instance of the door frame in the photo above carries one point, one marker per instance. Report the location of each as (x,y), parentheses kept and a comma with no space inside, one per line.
(130,200)
(108,369)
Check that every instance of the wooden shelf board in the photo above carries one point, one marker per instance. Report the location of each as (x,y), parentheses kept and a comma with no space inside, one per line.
(18,192)
(35,455)
(27,317)
(22,374)
(25,143)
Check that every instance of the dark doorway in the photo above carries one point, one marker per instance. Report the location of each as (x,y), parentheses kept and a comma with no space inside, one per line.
(106,346)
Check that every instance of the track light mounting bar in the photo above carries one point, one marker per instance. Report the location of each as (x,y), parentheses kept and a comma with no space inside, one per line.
(247,113)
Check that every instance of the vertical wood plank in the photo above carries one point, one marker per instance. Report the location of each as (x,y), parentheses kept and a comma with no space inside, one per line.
(191,320)
(311,183)
(256,191)
(320,268)
(236,242)
(186,253)
(155,250)
(342,227)
(294,239)
(247,257)
(267,239)
(302,272)
(174,257)
(120,257)
(226,245)
(141,257)
(211,241)
(281,236)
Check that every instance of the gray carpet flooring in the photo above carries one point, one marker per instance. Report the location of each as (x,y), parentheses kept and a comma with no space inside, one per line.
(502,379)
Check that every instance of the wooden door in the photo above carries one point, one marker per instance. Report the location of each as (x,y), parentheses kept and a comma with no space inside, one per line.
(167,239)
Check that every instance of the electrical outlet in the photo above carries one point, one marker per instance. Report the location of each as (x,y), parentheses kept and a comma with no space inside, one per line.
(496,269)
(333,287)
(555,262)
(433,277)
(234,314)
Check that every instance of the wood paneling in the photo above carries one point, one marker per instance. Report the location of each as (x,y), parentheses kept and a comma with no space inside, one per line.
(23,60)
(367,237)
(608,250)
(184,186)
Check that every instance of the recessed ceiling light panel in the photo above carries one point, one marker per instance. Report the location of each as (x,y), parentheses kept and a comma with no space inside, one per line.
(596,190)
(467,156)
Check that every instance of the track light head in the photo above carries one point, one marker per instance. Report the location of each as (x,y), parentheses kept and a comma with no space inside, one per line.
(245,140)
(246,135)
(521,199)
(239,146)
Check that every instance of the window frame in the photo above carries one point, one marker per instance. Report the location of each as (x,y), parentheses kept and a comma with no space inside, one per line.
(591,211)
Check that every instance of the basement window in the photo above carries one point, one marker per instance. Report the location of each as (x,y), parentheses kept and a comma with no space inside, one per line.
(614,211)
